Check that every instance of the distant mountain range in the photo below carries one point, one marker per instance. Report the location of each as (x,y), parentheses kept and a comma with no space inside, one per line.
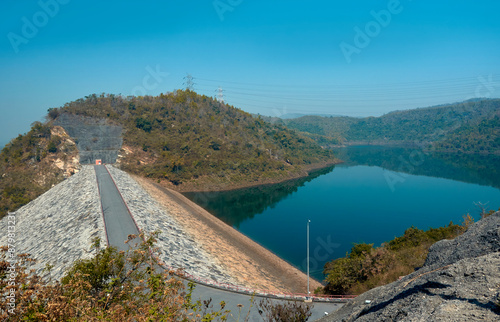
(297,115)
(289,116)
(472,126)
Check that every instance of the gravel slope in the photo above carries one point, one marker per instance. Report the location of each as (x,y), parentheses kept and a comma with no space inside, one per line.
(251,264)
(58,226)
(178,249)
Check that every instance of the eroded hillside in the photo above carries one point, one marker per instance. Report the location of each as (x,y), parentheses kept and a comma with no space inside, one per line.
(33,163)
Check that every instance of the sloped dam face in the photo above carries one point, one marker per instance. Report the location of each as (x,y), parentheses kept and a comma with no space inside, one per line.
(94,138)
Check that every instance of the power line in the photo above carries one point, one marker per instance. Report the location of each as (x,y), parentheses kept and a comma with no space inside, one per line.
(349,97)
(354,86)
(450,87)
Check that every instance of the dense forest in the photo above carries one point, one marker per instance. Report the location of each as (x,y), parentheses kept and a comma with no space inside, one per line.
(182,139)
(470,127)
(483,137)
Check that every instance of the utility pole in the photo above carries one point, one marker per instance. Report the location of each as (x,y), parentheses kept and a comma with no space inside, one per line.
(308,221)
(188,81)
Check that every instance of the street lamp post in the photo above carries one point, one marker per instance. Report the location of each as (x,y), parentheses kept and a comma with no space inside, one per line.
(308,221)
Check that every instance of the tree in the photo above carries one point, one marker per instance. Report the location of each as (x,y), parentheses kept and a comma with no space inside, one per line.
(143,124)
(53,113)
(52,147)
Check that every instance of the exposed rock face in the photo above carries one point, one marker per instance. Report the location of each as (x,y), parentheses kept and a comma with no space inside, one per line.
(460,281)
(481,238)
(94,138)
(69,164)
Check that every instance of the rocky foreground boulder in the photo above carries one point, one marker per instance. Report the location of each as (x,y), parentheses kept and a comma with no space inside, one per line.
(460,281)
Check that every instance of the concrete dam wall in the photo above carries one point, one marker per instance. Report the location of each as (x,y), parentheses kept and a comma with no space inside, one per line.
(95,139)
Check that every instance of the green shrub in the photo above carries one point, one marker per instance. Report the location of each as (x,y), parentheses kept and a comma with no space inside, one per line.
(366,267)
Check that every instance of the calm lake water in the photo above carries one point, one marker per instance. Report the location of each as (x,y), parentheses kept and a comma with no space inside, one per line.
(374,196)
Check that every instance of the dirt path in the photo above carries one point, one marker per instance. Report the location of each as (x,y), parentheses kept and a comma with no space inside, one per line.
(250,263)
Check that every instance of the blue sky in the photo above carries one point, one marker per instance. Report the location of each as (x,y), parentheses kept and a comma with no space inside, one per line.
(269,57)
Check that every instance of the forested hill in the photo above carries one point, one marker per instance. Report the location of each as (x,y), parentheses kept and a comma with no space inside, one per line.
(181,139)
(193,141)
(472,126)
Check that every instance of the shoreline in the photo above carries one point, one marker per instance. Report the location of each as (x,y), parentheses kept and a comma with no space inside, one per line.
(412,145)
(248,262)
(218,186)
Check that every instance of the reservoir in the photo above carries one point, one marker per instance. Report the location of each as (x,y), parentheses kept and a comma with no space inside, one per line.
(374,196)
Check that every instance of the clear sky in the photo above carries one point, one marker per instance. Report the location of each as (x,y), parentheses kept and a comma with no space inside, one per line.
(355,58)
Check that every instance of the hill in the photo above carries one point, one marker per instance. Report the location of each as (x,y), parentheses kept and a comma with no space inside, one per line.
(33,163)
(195,142)
(471,127)
(182,139)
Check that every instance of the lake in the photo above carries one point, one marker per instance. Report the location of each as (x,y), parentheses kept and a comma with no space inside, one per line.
(373,197)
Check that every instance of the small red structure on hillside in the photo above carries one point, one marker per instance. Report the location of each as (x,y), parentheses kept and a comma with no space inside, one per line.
(98,162)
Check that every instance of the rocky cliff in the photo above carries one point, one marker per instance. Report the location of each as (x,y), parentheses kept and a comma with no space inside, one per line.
(460,281)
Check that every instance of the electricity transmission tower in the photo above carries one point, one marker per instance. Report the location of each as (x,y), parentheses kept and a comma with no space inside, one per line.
(220,95)
(188,81)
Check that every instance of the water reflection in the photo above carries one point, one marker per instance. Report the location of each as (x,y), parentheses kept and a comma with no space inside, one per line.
(235,206)
(353,202)
(470,168)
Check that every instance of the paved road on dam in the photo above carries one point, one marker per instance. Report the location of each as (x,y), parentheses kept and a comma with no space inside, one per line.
(119,224)
(117,219)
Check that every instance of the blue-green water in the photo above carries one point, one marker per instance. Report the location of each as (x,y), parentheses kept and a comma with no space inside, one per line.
(373,197)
